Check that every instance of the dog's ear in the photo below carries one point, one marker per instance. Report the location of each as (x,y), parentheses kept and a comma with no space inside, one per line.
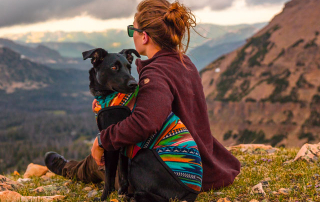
(127,53)
(96,55)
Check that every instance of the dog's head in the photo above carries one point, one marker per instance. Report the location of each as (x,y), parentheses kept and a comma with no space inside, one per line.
(111,71)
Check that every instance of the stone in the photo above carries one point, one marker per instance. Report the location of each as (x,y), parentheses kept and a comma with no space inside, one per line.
(50,174)
(24,180)
(217,193)
(10,196)
(223,200)
(42,198)
(265,182)
(7,184)
(244,147)
(87,189)
(39,189)
(254,200)
(271,151)
(51,189)
(288,162)
(257,189)
(35,170)
(284,191)
(66,184)
(45,178)
(308,152)
(5,187)
(92,193)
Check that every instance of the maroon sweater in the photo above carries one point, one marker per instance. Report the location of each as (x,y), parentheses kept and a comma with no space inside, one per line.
(165,86)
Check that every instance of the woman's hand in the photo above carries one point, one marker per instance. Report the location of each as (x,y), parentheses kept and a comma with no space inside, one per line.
(94,103)
(97,153)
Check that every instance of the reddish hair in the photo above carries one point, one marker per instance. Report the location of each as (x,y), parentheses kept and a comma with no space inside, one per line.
(167,24)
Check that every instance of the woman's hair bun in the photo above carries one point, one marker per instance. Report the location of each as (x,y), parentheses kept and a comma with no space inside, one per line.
(173,7)
(175,10)
(180,16)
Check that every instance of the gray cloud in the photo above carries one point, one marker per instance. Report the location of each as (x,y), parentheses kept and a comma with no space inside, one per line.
(213,4)
(265,2)
(14,12)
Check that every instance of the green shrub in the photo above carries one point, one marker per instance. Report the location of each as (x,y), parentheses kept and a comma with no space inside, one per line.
(297,43)
(247,137)
(276,139)
(311,43)
(250,100)
(303,83)
(309,136)
(313,120)
(227,135)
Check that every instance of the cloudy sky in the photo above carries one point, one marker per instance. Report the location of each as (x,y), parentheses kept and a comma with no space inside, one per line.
(18,16)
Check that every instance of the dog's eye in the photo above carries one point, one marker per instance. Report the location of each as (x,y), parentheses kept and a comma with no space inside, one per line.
(114,68)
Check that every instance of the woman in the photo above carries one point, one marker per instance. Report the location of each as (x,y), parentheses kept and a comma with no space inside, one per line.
(169,81)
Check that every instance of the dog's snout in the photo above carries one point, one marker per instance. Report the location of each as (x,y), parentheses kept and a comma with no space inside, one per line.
(132,84)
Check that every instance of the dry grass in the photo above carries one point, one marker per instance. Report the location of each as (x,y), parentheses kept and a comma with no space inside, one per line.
(302,180)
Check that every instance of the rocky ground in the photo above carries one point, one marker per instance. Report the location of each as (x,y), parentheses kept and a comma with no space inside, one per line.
(267,174)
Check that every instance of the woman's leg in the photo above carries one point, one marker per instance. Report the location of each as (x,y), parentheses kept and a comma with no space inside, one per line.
(86,170)
(152,181)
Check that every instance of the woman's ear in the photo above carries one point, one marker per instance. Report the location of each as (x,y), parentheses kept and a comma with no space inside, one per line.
(145,38)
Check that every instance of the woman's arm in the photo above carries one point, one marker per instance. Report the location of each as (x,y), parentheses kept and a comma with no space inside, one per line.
(153,105)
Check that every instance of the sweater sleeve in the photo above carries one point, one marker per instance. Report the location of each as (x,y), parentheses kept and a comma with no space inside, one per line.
(153,105)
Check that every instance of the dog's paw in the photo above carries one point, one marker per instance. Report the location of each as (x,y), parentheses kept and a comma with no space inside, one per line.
(123,190)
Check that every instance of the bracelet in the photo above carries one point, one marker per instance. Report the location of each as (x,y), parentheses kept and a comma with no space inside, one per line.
(99,141)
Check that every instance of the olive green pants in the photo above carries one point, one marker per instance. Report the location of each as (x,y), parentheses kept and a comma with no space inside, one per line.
(86,170)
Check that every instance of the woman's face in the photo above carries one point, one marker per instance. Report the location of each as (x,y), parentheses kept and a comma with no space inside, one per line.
(138,40)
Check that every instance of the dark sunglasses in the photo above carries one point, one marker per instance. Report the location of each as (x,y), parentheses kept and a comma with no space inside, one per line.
(131,30)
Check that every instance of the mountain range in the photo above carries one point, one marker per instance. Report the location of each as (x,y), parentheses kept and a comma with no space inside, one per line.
(44,54)
(114,40)
(268,90)
(213,48)
(214,39)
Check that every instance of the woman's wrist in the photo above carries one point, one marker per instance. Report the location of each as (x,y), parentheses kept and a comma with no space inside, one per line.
(99,141)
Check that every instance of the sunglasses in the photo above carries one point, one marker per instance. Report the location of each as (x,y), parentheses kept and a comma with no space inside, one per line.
(131,30)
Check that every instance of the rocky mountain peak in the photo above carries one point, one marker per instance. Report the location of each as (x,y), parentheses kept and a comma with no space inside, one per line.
(275,76)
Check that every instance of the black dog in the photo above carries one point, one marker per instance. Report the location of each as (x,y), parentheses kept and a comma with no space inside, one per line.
(112,72)
(150,177)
